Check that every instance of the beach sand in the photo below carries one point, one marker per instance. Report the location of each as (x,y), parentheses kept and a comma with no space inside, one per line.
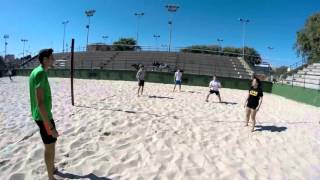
(113,134)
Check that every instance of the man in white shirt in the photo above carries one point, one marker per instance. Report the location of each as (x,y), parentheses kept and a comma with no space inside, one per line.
(10,74)
(214,88)
(140,77)
(177,79)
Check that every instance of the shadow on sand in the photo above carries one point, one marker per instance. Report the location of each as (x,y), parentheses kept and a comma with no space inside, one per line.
(119,110)
(270,128)
(225,102)
(161,97)
(90,176)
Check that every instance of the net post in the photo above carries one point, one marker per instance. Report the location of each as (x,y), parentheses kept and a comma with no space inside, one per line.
(71,71)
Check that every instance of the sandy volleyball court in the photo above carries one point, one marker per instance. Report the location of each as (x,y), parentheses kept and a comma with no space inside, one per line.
(112,134)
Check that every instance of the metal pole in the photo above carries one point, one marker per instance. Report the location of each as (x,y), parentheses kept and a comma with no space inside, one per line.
(156,41)
(137,30)
(88,27)
(220,44)
(89,13)
(71,71)
(243,38)
(64,33)
(304,80)
(5,50)
(170,35)
(138,15)
(292,80)
(23,41)
(171,8)
(244,22)
(5,46)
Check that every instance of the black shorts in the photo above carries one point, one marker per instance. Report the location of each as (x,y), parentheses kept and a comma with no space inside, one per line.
(46,138)
(141,83)
(252,105)
(214,92)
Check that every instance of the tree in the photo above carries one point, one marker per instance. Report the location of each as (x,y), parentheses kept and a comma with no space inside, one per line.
(231,51)
(125,44)
(213,49)
(252,56)
(279,71)
(308,39)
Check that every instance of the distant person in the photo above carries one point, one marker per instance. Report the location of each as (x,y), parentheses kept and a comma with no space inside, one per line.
(10,74)
(140,77)
(253,101)
(214,86)
(41,106)
(177,79)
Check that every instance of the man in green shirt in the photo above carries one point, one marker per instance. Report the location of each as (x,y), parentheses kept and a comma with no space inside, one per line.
(41,105)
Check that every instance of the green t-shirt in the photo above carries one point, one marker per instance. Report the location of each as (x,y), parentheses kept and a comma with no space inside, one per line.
(39,79)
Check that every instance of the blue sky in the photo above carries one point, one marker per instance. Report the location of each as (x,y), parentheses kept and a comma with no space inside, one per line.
(272,23)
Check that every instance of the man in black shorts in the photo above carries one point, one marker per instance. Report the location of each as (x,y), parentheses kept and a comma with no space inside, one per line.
(140,77)
(214,88)
(41,105)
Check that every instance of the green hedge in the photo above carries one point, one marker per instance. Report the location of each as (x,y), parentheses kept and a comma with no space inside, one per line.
(300,94)
(157,77)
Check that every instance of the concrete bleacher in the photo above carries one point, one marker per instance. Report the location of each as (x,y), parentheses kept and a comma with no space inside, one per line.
(213,64)
(308,77)
(190,63)
(82,60)
(125,60)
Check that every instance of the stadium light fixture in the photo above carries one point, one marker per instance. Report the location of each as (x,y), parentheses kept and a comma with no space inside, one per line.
(89,14)
(138,15)
(244,22)
(172,8)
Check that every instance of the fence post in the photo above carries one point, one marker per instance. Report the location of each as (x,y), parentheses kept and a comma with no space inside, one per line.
(304,80)
(292,80)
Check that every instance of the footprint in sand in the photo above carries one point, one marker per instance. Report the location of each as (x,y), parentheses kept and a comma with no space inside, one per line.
(4,162)
(107,133)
